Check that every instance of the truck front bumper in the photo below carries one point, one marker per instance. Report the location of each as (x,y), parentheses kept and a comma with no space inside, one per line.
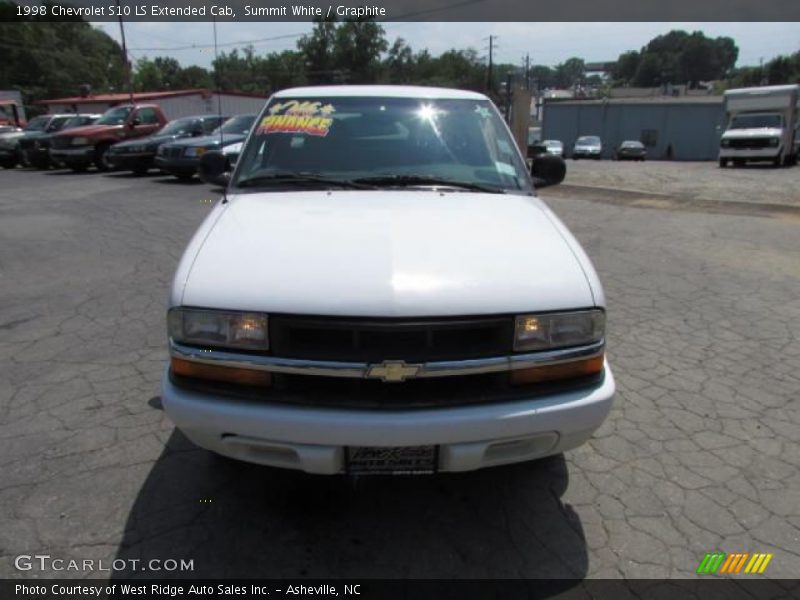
(180,167)
(82,155)
(313,439)
(750,153)
(132,161)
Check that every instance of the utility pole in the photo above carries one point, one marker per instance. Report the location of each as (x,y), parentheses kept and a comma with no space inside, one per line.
(125,63)
(527,71)
(489,81)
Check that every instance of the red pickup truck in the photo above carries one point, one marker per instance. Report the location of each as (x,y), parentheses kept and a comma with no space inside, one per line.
(80,147)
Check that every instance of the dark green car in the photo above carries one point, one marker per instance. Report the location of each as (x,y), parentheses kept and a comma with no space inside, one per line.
(34,147)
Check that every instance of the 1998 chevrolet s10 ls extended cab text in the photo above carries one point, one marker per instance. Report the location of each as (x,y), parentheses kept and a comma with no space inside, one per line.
(382,291)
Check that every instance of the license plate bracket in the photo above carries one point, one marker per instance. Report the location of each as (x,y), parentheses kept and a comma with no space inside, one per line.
(397,460)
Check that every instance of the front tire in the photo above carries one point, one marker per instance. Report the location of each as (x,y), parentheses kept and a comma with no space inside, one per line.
(101,158)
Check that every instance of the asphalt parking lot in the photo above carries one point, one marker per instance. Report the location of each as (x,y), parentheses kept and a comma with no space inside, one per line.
(701,451)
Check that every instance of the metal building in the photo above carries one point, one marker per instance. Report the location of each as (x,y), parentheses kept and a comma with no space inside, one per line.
(175,104)
(672,128)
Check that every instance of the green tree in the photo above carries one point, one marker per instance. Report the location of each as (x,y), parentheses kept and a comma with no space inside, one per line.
(48,60)
(194,77)
(400,62)
(626,66)
(570,72)
(318,50)
(648,73)
(357,50)
(542,77)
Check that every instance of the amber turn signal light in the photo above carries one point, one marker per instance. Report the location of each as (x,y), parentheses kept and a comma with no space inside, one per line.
(187,368)
(569,370)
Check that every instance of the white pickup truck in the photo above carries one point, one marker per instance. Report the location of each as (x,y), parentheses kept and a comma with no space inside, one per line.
(762,125)
(381,291)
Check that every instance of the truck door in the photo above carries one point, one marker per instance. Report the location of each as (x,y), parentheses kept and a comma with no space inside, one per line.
(145,121)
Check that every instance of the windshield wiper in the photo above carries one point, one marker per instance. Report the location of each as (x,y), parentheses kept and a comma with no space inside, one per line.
(301,178)
(403,180)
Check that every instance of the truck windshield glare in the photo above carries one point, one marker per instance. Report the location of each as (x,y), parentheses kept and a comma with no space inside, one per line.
(756,121)
(395,139)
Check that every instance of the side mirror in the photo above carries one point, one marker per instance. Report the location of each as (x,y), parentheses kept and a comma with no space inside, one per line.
(134,122)
(214,168)
(547,170)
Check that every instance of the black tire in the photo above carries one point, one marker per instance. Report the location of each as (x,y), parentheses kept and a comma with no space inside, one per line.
(8,164)
(79,168)
(723,162)
(185,176)
(25,158)
(140,170)
(777,162)
(101,158)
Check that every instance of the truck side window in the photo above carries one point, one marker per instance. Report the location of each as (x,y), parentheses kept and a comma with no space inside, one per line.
(211,124)
(147,116)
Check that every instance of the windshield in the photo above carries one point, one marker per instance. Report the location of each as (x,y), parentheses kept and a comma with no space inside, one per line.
(588,140)
(58,123)
(632,145)
(756,121)
(553,143)
(236,125)
(37,124)
(114,116)
(177,127)
(385,141)
(78,121)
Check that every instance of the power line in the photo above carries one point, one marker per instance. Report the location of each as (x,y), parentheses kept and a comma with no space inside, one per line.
(226,44)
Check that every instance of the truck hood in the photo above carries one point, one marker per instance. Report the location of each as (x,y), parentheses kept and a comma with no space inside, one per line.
(87,130)
(210,140)
(381,253)
(743,134)
(150,140)
(12,135)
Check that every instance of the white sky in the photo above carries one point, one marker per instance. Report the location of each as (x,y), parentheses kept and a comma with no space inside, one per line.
(547,43)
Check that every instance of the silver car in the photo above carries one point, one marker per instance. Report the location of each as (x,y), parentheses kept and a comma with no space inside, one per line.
(555,147)
(587,146)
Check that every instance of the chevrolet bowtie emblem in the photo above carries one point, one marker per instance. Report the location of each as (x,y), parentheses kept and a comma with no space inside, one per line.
(393,370)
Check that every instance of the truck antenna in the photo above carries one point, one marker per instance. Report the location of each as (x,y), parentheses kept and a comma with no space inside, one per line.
(219,102)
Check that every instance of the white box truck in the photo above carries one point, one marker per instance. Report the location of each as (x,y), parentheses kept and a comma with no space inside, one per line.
(762,125)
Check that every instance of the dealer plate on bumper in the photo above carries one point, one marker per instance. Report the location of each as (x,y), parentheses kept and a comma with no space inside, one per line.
(400,460)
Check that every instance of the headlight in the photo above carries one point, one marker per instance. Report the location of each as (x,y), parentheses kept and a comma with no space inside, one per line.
(558,330)
(234,149)
(80,141)
(217,328)
(725,143)
(195,151)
